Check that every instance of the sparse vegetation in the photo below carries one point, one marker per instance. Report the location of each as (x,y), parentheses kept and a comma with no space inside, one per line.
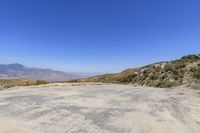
(196,73)
(73,81)
(163,74)
(40,82)
(19,82)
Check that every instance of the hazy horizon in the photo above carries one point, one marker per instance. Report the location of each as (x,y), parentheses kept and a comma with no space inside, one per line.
(97,36)
(91,72)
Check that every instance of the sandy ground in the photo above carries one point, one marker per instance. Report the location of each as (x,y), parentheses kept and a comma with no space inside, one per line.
(100,108)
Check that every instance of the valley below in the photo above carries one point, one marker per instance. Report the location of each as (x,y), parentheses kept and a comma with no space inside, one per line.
(99,108)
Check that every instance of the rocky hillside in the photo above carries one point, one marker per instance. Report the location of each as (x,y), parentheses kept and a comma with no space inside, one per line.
(17,71)
(163,74)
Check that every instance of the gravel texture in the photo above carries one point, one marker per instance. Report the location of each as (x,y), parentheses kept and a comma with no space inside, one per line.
(99,108)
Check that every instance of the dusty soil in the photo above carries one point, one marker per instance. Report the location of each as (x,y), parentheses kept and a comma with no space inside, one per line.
(100,108)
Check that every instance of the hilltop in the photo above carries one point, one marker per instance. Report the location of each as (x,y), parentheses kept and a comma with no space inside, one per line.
(184,71)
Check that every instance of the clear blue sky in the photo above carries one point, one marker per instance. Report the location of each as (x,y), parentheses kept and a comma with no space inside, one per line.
(97,35)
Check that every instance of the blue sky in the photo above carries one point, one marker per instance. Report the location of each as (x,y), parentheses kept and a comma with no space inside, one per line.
(97,35)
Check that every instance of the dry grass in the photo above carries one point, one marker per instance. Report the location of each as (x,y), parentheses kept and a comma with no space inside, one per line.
(7,83)
(163,74)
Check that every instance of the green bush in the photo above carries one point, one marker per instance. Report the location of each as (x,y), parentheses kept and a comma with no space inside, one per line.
(165,84)
(8,85)
(73,81)
(196,73)
(128,79)
(39,82)
(168,68)
(179,64)
(154,76)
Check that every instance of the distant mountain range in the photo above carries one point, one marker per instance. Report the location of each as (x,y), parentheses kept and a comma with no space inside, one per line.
(17,71)
(184,71)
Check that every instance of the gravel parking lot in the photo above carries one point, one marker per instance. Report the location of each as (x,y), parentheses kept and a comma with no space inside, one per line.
(99,108)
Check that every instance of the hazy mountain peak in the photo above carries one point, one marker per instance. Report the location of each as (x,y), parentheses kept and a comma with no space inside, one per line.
(16,70)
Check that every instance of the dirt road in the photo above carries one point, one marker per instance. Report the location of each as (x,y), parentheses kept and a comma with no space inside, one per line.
(106,108)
